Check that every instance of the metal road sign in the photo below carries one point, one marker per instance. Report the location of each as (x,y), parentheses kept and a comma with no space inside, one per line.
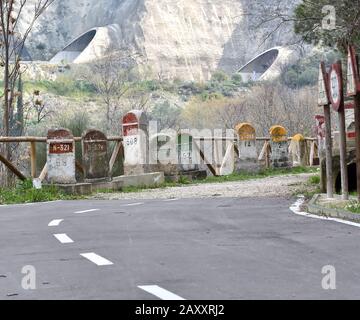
(336,86)
(352,78)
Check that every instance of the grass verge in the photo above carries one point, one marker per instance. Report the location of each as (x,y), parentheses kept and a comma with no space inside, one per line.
(353,206)
(25,193)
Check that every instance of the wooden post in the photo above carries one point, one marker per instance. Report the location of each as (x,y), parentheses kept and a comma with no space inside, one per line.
(343,161)
(312,153)
(208,164)
(328,152)
(218,155)
(353,90)
(119,149)
(357,130)
(43,173)
(79,167)
(337,101)
(12,168)
(267,155)
(324,100)
(33,158)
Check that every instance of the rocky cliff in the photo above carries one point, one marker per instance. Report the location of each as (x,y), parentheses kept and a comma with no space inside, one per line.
(188,39)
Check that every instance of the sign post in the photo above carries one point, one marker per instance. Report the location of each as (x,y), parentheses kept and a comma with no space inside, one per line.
(353,90)
(337,101)
(323,100)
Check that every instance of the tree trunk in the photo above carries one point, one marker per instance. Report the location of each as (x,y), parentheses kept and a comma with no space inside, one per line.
(6,120)
(20,109)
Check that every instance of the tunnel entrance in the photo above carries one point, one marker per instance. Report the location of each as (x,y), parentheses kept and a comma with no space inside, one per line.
(351,169)
(75,48)
(255,69)
(81,43)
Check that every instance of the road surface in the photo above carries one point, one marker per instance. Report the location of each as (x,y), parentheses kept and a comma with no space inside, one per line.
(218,248)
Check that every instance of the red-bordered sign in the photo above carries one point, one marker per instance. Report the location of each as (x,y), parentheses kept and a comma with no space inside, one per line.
(336,86)
(323,94)
(352,78)
(130,124)
(61,147)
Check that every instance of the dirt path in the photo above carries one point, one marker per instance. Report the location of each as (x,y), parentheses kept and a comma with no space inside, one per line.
(267,187)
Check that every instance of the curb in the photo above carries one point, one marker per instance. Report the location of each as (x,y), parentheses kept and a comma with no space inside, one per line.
(314,208)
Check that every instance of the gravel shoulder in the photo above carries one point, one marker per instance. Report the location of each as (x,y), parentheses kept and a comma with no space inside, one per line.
(275,186)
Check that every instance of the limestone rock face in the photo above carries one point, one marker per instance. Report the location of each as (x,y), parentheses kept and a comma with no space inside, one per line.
(188,39)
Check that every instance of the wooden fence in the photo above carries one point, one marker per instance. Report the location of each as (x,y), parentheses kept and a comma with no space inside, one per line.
(119,151)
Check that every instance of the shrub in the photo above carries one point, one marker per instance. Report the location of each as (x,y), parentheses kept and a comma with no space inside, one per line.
(314,179)
(236,78)
(183,180)
(219,76)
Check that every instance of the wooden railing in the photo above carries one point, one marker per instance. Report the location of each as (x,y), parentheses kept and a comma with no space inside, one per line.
(118,149)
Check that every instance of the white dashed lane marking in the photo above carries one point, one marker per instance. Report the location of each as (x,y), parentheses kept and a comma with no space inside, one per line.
(169,200)
(84,211)
(133,204)
(95,258)
(161,293)
(55,223)
(63,238)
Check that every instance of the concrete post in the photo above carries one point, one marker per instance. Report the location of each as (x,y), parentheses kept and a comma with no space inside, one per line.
(279,147)
(95,155)
(61,157)
(136,150)
(248,157)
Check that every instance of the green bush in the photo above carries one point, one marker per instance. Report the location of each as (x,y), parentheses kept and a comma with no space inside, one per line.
(236,78)
(183,180)
(314,179)
(219,76)
(63,86)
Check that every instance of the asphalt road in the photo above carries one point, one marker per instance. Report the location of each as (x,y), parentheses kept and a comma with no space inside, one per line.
(220,248)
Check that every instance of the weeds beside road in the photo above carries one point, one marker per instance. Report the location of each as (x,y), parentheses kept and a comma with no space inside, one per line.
(25,193)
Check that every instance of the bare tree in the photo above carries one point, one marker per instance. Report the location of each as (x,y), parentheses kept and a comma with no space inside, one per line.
(140,99)
(12,47)
(232,112)
(262,105)
(167,115)
(110,76)
(215,113)
(11,51)
(38,107)
(273,104)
